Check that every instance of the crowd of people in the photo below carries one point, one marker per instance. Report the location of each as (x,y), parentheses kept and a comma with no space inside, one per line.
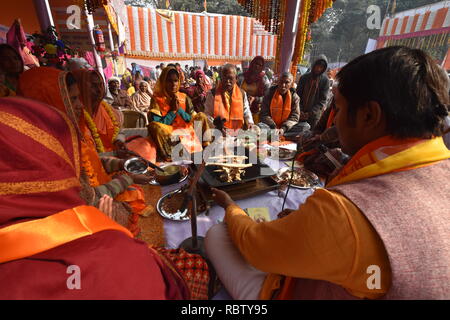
(222,97)
(64,153)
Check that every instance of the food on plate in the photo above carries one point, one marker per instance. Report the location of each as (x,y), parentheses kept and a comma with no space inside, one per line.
(301,178)
(172,203)
(170,206)
(230,174)
(165,178)
(168,171)
(230,168)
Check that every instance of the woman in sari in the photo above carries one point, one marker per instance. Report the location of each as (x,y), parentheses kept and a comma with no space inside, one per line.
(102,119)
(198,91)
(48,234)
(141,99)
(255,83)
(172,114)
(52,86)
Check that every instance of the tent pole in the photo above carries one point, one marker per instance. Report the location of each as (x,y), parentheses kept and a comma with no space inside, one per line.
(289,34)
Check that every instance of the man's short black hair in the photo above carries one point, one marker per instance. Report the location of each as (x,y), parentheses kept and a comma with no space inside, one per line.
(408,85)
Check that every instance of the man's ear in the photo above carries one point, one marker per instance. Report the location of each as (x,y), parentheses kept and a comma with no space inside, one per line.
(372,115)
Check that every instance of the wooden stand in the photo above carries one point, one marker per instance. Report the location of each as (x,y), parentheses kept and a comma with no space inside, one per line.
(193,244)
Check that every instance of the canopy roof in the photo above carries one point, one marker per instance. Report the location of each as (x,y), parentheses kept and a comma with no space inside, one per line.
(156,33)
(419,22)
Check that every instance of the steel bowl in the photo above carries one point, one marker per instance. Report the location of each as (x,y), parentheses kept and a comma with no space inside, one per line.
(172,174)
(136,166)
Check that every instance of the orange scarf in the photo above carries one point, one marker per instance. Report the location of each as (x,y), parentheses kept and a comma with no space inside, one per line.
(234,113)
(28,238)
(387,154)
(331,117)
(107,127)
(184,129)
(278,110)
(164,108)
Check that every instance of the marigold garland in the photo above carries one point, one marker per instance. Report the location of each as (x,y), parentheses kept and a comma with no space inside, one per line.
(111,114)
(272,14)
(87,167)
(311,11)
(91,5)
(93,128)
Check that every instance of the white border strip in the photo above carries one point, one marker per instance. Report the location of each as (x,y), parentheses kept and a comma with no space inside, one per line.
(137,31)
(206,34)
(182,33)
(199,36)
(447,20)
(430,20)
(165,35)
(146,30)
(173,27)
(190,33)
(155,33)
(234,40)
(220,33)
(419,23)
(249,34)
(212,44)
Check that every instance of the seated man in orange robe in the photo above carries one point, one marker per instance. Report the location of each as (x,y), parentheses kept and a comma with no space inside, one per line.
(229,102)
(281,107)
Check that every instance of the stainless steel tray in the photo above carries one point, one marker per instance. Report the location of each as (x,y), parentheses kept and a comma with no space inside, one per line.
(313,179)
(281,154)
(178,216)
(183,178)
(252,173)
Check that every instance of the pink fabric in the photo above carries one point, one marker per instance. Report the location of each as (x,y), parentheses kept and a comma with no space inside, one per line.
(108,71)
(89,56)
(17,38)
